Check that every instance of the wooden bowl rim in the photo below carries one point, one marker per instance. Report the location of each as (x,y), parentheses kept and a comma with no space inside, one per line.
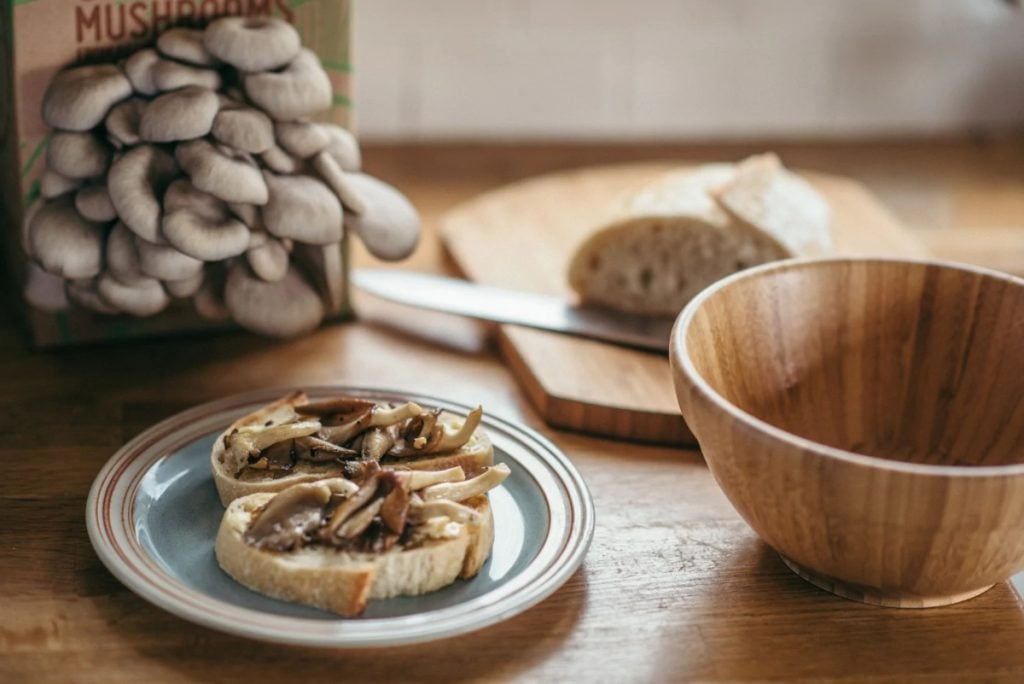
(686,366)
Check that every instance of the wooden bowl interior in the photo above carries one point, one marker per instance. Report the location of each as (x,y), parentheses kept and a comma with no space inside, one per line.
(909,362)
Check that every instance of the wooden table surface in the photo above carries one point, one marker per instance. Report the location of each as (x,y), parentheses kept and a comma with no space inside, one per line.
(675,586)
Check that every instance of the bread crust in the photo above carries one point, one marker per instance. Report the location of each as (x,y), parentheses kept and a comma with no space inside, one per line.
(766,197)
(343,582)
(473,457)
(691,227)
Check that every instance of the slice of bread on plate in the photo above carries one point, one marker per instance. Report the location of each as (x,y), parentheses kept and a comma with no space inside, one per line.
(295,440)
(336,545)
(691,227)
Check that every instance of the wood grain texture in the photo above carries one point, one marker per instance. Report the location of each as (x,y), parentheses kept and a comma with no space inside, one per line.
(916,364)
(676,586)
(523,237)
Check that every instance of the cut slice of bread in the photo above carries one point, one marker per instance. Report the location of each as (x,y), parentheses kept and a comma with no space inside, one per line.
(770,198)
(676,236)
(233,480)
(344,581)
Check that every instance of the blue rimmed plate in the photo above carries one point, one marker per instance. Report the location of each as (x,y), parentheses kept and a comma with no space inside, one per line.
(153,514)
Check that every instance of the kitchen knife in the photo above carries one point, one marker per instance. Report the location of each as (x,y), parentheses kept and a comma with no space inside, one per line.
(529,309)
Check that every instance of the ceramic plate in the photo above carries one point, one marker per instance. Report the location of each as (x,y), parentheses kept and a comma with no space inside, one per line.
(153,513)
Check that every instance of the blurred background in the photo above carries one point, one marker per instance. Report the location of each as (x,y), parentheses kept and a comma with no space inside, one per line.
(920,100)
(685,69)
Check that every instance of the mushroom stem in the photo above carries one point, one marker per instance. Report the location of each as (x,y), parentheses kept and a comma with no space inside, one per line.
(460,491)
(349,506)
(359,521)
(429,423)
(450,441)
(413,480)
(376,416)
(314,442)
(344,433)
(383,417)
(326,451)
(424,510)
(251,440)
(341,486)
(376,443)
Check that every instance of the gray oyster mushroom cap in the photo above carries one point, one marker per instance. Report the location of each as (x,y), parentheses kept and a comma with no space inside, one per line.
(390,225)
(279,161)
(232,177)
(183,195)
(299,90)
(302,139)
(183,114)
(302,208)
(93,203)
(44,290)
(83,293)
(145,298)
(338,180)
(123,256)
(252,43)
(343,147)
(269,260)
(249,214)
(170,75)
(77,155)
(188,287)
(164,262)
(244,128)
(185,45)
(139,68)
(200,237)
(284,308)
(64,243)
(122,123)
(78,99)
(136,182)
(53,185)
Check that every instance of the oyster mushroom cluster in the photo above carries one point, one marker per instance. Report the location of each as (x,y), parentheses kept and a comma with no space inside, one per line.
(193,169)
(386,508)
(356,433)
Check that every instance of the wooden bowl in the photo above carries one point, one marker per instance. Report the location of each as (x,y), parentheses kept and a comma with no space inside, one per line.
(866,418)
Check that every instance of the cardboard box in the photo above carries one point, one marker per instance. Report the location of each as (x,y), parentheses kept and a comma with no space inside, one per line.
(40,37)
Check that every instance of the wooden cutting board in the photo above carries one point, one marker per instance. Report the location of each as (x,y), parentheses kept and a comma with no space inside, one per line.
(521,236)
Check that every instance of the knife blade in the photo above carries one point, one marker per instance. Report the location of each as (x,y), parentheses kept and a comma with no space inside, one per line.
(530,309)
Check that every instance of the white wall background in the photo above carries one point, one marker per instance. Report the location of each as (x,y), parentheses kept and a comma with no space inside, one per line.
(684,69)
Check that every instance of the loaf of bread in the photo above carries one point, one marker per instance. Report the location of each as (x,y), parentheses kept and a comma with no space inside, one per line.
(293,440)
(691,227)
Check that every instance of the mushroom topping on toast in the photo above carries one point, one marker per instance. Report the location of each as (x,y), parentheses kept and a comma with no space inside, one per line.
(335,544)
(295,440)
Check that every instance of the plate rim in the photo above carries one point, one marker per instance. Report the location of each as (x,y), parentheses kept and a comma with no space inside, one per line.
(116,542)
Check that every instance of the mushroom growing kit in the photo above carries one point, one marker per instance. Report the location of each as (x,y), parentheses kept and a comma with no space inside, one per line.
(188,172)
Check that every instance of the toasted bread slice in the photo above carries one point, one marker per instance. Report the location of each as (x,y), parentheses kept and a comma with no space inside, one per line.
(344,581)
(234,480)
